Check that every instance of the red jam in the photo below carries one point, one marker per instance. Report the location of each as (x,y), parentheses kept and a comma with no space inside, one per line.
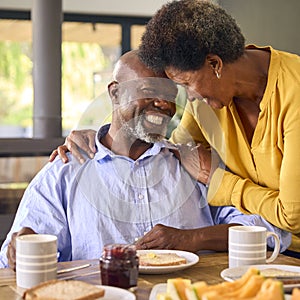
(119,265)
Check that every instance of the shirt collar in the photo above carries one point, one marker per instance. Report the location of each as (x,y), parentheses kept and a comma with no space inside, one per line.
(103,152)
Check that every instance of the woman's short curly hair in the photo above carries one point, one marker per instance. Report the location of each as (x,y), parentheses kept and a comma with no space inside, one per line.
(183,32)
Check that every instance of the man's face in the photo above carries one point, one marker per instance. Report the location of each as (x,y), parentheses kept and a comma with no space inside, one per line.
(146,107)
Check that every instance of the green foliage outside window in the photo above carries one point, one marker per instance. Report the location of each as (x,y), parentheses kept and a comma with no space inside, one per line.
(79,62)
(15,83)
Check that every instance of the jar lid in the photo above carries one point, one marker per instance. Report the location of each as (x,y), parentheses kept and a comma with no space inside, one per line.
(119,251)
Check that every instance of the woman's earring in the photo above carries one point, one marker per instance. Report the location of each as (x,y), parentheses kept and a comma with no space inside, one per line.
(217,74)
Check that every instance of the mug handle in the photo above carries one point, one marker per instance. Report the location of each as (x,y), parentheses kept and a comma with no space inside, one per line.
(276,248)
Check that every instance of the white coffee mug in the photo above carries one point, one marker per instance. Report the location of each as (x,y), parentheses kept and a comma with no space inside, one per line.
(36,259)
(247,245)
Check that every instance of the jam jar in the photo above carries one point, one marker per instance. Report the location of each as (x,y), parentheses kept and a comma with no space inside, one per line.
(119,265)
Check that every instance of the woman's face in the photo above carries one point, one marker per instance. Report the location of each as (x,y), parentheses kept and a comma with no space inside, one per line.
(203,85)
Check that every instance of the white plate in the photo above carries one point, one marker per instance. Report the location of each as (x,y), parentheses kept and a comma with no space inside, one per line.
(162,288)
(191,259)
(115,293)
(231,274)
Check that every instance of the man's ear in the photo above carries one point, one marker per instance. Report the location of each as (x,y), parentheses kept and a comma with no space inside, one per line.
(215,62)
(113,90)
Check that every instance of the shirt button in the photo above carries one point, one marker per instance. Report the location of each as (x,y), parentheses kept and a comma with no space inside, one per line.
(137,163)
(141,196)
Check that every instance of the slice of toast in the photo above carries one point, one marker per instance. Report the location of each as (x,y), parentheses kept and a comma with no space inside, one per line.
(161,259)
(64,290)
(275,272)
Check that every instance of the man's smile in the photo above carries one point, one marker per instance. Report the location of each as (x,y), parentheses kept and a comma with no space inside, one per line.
(154,119)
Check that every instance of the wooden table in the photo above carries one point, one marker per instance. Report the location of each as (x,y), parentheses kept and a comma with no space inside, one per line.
(208,269)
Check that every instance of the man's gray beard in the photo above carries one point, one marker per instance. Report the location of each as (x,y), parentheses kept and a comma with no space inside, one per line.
(140,133)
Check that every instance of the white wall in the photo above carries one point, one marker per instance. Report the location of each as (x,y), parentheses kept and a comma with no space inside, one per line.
(114,7)
(268,22)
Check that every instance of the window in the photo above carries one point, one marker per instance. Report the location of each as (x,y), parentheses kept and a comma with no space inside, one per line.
(89,52)
(16,94)
(91,45)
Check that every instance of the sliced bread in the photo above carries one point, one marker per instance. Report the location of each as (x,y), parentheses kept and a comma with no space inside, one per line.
(161,259)
(64,290)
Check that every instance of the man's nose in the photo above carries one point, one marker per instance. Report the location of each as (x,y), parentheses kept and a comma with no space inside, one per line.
(161,103)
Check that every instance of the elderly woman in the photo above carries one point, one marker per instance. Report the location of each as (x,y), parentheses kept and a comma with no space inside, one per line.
(254,93)
(244,104)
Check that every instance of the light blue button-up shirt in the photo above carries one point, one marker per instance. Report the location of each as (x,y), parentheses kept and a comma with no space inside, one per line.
(114,199)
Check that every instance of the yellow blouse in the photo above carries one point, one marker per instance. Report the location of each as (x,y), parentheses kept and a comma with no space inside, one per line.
(264,177)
